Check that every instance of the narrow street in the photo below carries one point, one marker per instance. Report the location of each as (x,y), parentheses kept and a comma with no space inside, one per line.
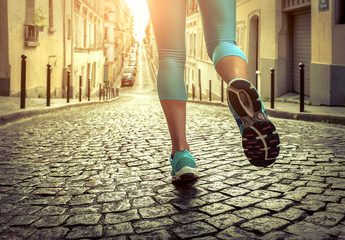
(102,172)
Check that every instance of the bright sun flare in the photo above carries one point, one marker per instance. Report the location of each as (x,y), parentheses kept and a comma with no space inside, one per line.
(141,15)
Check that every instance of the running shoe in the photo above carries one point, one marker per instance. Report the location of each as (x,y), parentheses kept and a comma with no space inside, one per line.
(259,138)
(183,166)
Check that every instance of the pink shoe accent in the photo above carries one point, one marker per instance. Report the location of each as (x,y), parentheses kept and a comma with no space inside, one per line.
(249,135)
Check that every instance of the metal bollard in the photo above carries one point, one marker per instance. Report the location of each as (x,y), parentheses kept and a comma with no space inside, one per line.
(200,92)
(272,87)
(301,100)
(117,92)
(193,91)
(49,67)
(222,90)
(80,83)
(103,92)
(23,82)
(88,89)
(210,90)
(68,85)
(100,91)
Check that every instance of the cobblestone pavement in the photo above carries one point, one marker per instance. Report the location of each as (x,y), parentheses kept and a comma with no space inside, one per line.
(102,172)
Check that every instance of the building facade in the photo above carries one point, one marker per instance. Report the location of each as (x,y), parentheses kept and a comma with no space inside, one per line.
(200,75)
(68,34)
(279,34)
(33,28)
(151,48)
(118,37)
(284,33)
(88,60)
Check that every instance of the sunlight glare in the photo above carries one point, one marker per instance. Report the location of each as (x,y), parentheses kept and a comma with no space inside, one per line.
(141,15)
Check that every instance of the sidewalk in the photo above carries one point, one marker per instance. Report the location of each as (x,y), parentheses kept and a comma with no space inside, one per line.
(290,109)
(10,109)
(10,106)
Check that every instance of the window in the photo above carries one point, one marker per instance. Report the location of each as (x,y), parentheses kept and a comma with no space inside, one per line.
(69,28)
(106,34)
(31,32)
(190,44)
(90,31)
(240,34)
(99,33)
(95,32)
(194,44)
(31,35)
(30,12)
(85,28)
(192,6)
(51,17)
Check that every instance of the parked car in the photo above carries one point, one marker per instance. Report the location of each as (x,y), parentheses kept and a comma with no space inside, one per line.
(127,80)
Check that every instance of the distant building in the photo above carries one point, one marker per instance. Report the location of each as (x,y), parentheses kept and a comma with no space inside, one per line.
(279,34)
(68,34)
(151,47)
(199,68)
(118,37)
(87,58)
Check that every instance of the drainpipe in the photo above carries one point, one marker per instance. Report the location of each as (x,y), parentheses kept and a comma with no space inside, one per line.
(72,40)
(64,33)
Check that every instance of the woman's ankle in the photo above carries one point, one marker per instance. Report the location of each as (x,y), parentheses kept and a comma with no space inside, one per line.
(181,148)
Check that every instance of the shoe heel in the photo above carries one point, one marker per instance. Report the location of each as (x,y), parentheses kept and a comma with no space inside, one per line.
(259,138)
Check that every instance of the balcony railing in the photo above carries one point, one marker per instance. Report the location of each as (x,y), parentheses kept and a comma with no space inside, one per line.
(31,35)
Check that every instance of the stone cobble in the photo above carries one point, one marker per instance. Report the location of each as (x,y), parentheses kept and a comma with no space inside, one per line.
(102,172)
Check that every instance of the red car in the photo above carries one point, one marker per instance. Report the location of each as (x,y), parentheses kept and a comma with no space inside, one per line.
(127,80)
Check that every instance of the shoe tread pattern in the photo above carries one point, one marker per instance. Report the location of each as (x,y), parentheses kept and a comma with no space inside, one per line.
(260,142)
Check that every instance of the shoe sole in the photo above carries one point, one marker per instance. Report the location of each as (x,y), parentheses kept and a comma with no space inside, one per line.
(185,174)
(259,139)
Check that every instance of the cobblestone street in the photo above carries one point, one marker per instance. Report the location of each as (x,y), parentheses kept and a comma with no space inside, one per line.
(102,172)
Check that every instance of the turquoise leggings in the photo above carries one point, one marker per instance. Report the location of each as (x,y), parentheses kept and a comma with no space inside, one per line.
(169,20)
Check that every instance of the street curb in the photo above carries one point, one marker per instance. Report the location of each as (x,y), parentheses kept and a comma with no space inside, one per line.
(311,117)
(29,113)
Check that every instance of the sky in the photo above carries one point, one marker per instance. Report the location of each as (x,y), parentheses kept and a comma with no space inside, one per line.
(141,15)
